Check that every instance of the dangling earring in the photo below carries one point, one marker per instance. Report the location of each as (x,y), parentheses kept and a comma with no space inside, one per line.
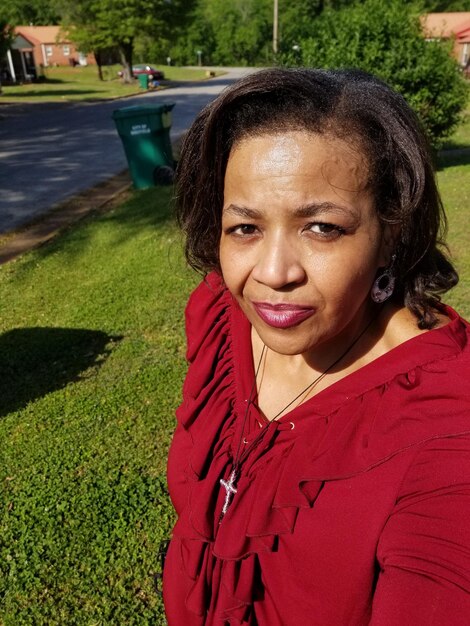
(384,284)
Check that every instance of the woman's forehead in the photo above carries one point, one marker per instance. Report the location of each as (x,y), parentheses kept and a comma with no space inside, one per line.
(294,155)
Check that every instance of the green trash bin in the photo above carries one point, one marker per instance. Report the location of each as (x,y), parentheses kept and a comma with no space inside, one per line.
(145,135)
(143,81)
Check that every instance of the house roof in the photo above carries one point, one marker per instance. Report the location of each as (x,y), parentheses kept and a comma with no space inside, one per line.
(446,24)
(21,43)
(41,34)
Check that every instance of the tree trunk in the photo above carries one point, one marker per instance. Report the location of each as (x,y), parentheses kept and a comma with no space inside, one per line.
(99,63)
(125,52)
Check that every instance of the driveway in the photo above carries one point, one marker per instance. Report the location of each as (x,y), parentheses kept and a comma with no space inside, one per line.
(50,152)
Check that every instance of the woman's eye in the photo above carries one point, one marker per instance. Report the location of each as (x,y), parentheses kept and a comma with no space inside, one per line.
(328,231)
(243,229)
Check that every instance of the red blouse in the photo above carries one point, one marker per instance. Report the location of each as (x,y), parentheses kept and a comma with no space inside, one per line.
(353,509)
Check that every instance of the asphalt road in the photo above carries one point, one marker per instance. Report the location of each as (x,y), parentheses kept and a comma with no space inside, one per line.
(50,152)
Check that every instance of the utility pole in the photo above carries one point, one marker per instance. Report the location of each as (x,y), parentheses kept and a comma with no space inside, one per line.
(275,26)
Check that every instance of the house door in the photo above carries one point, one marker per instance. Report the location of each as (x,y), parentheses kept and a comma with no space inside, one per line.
(29,65)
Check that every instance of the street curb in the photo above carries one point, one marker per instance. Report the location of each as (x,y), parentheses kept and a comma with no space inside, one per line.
(97,199)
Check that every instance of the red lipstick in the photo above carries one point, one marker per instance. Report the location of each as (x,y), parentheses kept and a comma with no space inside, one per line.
(282,315)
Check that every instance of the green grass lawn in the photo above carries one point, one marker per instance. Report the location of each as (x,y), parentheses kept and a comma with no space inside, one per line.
(92,358)
(461,138)
(92,362)
(454,185)
(82,83)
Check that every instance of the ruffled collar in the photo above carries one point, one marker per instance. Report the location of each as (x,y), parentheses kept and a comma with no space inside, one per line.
(352,426)
(445,342)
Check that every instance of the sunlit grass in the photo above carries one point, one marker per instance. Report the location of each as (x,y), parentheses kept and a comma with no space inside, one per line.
(91,338)
(82,83)
(454,184)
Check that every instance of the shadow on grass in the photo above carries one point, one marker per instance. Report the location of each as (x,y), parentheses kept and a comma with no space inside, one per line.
(36,361)
(55,81)
(41,81)
(453,157)
(147,210)
(54,93)
(452,144)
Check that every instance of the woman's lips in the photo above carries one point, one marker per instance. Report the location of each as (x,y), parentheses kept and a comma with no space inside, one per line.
(282,315)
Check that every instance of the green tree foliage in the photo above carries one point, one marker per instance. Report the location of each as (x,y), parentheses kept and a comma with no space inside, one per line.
(6,34)
(296,17)
(198,36)
(80,23)
(234,32)
(445,6)
(155,48)
(24,12)
(103,24)
(386,39)
(239,32)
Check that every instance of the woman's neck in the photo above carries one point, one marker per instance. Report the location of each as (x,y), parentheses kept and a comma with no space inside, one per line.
(283,376)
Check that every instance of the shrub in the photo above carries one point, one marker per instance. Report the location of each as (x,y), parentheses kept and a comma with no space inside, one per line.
(386,39)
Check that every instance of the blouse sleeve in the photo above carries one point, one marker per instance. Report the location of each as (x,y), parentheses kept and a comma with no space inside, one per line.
(207,387)
(424,549)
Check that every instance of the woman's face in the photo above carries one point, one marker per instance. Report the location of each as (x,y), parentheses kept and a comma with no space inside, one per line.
(301,241)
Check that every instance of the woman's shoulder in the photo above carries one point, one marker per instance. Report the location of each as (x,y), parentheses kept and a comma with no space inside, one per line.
(399,325)
(444,348)
(428,396)
(209,290)
(448,346)
(208,383)
(207,311)
(429,374)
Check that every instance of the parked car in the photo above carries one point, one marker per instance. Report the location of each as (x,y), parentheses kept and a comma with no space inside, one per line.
(143,68)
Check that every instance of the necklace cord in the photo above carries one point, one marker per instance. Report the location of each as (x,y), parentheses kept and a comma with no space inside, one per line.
(324,373)
(230,484)
(239,458)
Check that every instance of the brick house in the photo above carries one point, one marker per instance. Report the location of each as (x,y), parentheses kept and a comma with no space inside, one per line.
(51,47)
(36,47)
(447,26)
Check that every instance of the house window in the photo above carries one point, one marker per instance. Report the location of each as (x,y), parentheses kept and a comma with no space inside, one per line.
(49,51)
(66,50)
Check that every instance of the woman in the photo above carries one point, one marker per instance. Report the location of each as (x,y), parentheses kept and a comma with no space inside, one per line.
(320,468)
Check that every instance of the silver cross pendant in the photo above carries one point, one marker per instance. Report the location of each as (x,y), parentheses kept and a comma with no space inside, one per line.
(230,490)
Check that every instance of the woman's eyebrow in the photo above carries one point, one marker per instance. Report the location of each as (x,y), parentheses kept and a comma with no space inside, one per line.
(313,208)
(243,211)
(305,211)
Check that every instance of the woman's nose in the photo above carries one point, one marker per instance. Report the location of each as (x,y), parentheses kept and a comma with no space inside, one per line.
(278,263)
